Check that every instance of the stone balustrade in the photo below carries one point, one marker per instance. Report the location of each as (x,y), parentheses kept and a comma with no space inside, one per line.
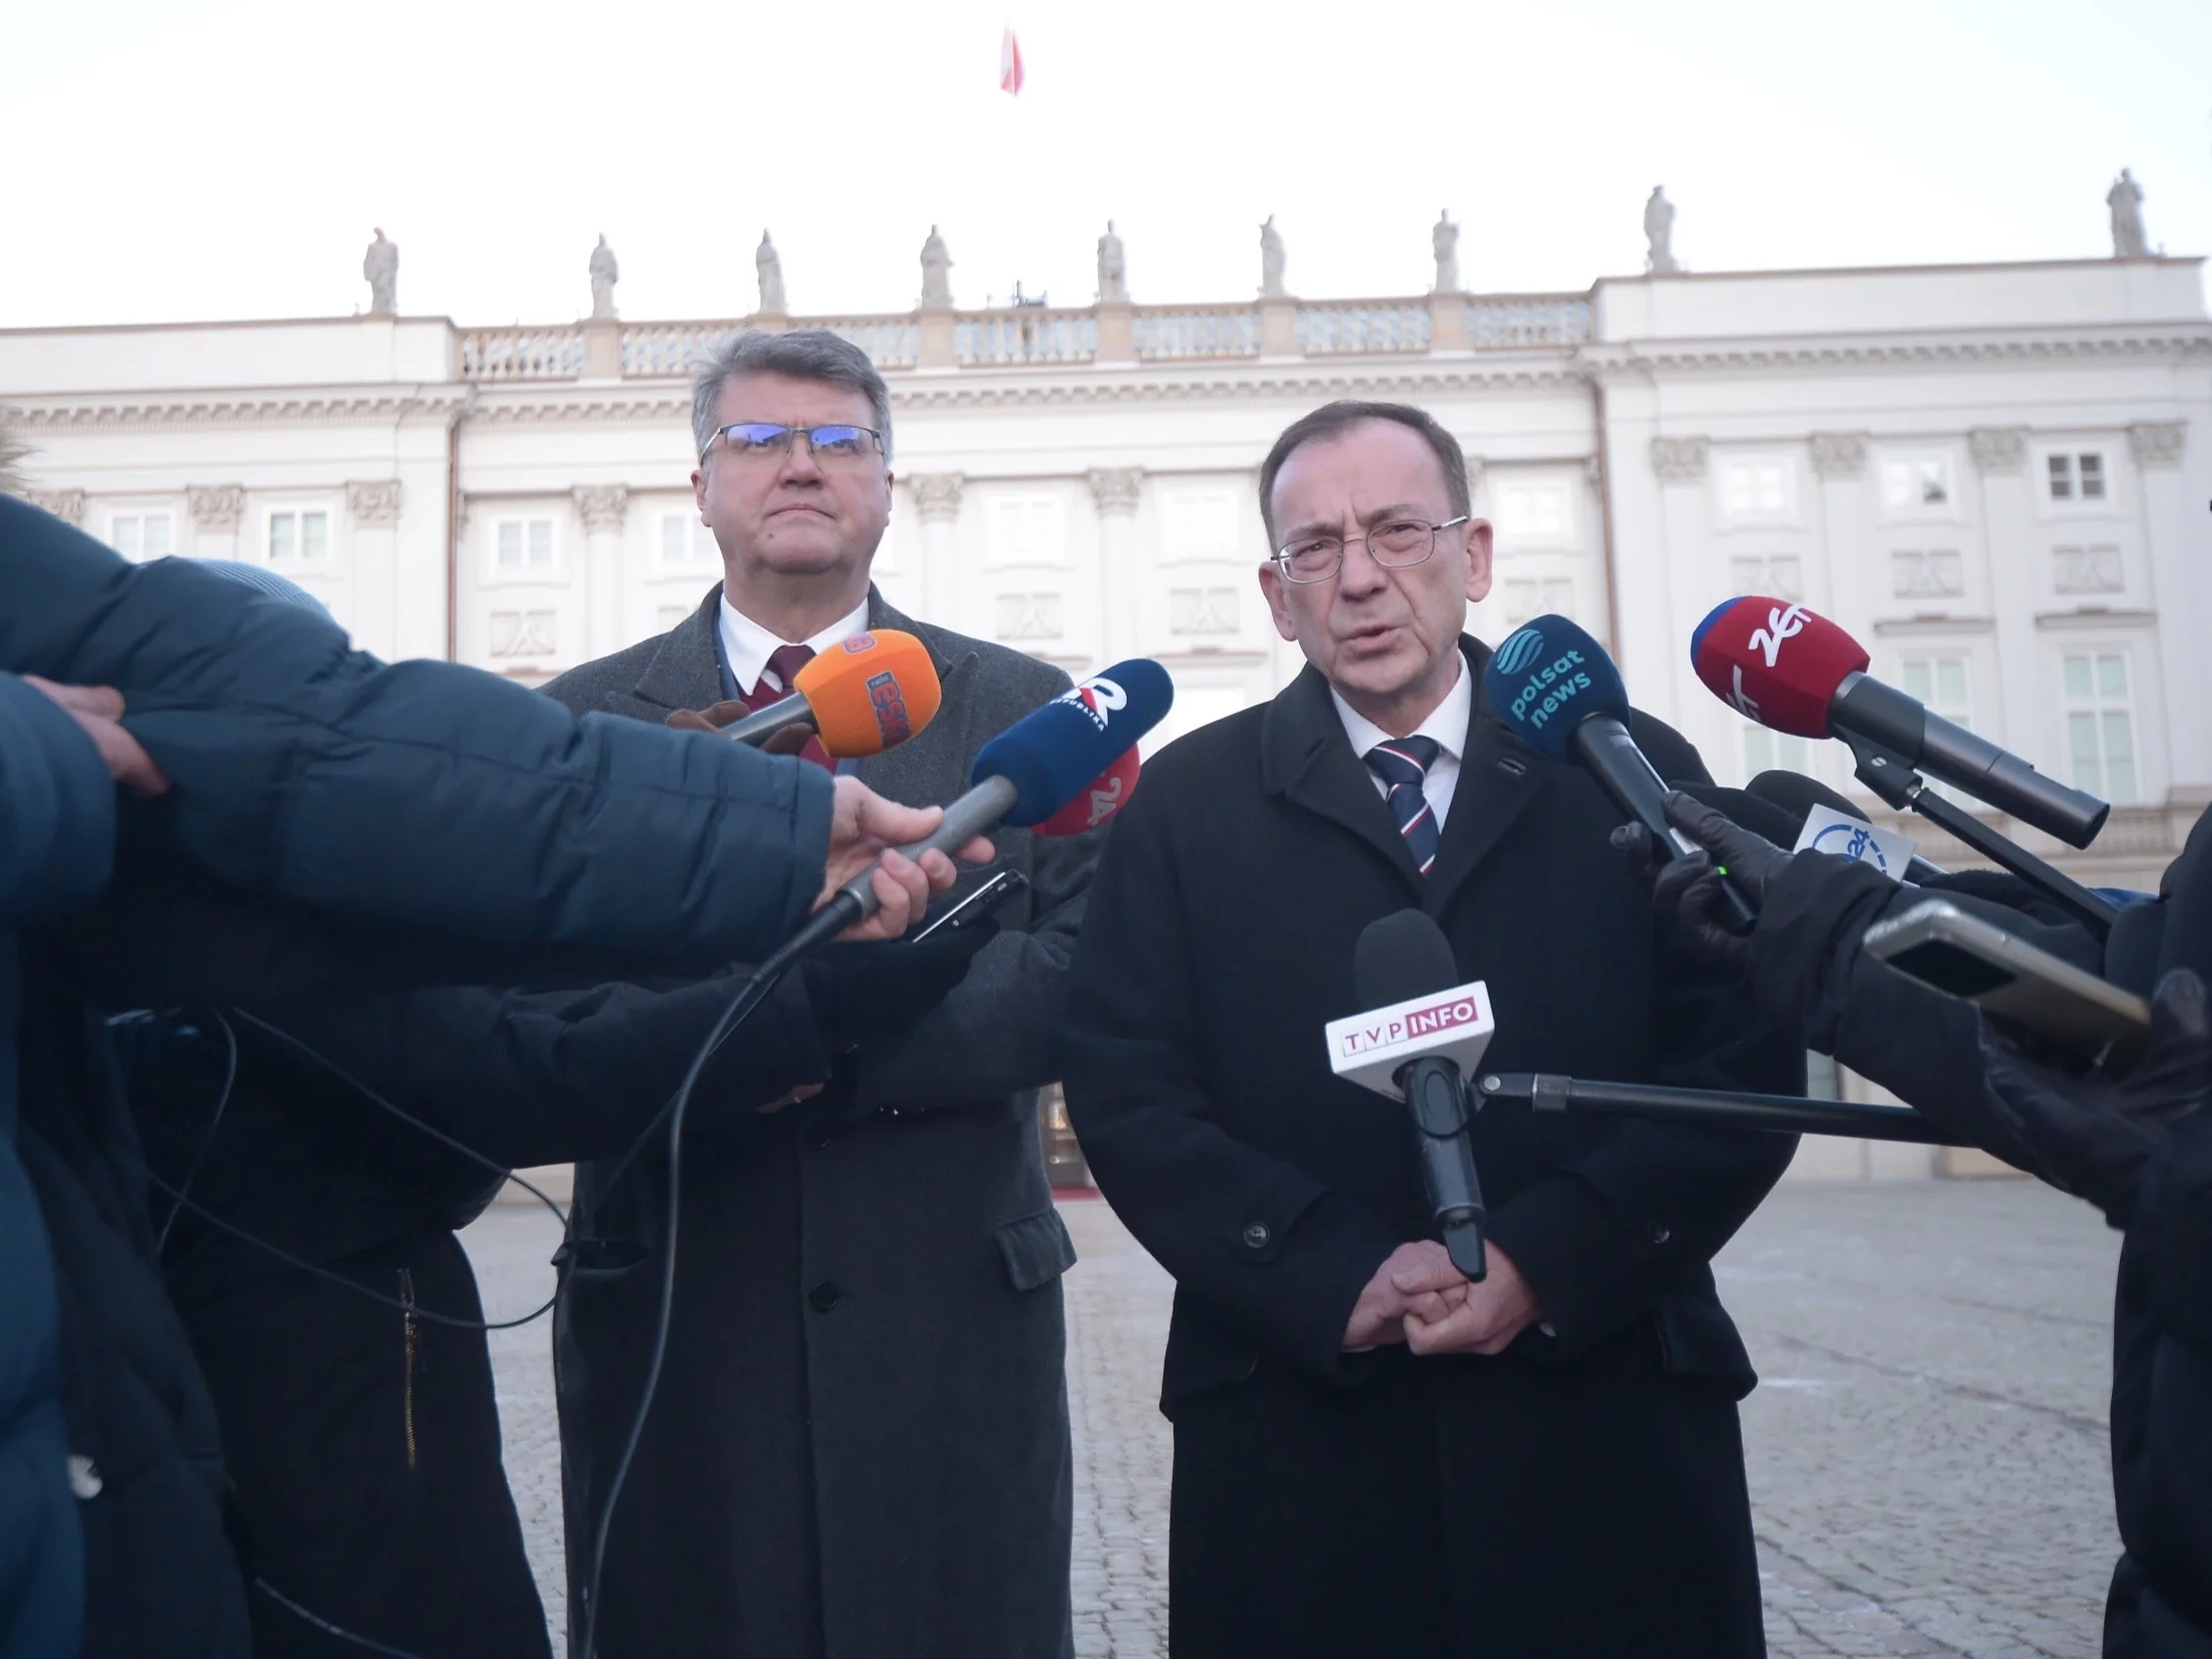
(1014,336)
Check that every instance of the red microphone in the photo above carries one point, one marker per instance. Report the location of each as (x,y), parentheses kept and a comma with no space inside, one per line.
(1778,664)
(1105,795)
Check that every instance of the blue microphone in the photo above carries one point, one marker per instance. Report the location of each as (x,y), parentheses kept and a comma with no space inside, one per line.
(1052,755)
(1557,691)
(1023,776)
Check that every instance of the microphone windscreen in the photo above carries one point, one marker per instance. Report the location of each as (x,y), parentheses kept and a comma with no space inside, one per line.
(1399,956)
(1746,810)
(1051,755)
(869,692)
(1795,794)
(1105,795)
(1774,662)
(1548,676)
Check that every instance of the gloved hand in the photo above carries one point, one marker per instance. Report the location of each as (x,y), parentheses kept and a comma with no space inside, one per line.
(863,993)
(2094,1134)
(1689,887)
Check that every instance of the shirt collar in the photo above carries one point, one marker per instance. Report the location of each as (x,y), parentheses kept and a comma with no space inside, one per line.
(747,646)
(1446,722)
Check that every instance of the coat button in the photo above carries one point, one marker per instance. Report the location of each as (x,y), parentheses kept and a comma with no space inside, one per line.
(1257,1235)
(1661,1233)
(825,1296)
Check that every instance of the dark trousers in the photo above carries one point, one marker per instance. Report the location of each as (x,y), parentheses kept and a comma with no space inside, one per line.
(1464,1510)
(364,1456)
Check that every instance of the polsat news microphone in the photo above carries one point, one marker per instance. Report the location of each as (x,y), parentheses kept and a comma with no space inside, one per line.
(1792,671)
(861,696)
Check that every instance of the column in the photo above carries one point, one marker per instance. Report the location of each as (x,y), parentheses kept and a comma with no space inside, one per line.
(216,510)
(1846,593)
(2000,455)
(937,497)
(603,508)
(1654,635)
(2181,595)
(1115,491)
(372,509)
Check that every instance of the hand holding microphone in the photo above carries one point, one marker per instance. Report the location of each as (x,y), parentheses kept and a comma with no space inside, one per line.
(867,834)
(1689,888)
(861,696)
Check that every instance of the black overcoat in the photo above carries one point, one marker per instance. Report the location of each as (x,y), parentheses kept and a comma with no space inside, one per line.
(1582,1494)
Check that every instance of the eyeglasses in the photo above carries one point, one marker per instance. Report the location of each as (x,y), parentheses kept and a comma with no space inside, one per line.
(758,439)
(1394,545)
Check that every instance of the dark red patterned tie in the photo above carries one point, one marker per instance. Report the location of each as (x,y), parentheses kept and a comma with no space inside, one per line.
(784,663)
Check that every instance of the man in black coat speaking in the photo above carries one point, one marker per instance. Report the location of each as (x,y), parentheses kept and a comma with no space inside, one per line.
(1371,1455)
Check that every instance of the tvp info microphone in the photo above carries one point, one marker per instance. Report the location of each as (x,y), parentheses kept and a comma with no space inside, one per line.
(863,696)
(1421,1037)
(1558,691)
(1025,775)
(1780,665)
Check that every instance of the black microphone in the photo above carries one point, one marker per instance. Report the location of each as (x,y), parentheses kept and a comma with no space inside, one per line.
(1403,973)
(1557,689)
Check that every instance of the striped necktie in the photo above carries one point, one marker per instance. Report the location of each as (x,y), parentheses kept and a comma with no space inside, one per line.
(1402,763)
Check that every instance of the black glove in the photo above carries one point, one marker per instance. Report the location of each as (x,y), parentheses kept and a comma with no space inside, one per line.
(871,989)
(1688,886)
(2092,1135)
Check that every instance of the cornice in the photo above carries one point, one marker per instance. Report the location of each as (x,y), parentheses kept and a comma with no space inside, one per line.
(1617,359)
(248,407)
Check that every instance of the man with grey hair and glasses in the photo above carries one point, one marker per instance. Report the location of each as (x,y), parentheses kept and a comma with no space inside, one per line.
(860,1441)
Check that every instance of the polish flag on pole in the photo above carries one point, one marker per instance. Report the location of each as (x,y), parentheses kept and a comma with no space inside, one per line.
(1010,63)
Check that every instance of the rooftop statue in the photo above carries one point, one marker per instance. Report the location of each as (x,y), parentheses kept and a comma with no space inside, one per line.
(1658,233)
(1444,238)
(605,274)
(381,266)
(1271,262)
(1113,269)
(937,274)
(770,265)
(2125,198)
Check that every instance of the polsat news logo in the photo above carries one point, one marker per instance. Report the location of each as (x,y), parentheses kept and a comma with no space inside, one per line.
(1447,1013)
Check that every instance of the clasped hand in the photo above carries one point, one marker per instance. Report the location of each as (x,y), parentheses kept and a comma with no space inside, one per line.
(1418,1297)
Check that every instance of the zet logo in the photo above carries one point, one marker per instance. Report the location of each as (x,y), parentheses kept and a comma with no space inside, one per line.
(1520,651)
(1099,699)
(1780,625)
(889,704)
(1852,841)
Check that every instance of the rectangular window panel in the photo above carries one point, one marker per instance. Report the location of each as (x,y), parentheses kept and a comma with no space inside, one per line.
(2092,478)
(510,547)
(541,543)
(2112,677)
(2118,734)
(156,536)
(2100,725)
(124,537)
(2062,477)
(675,539)
(315,535)
(1769,750)
(284,535)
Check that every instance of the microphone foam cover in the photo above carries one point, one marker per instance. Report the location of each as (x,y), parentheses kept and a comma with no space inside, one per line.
(1548,676)
(1399,956)
(1105,795)
(869,692)
(1052,755)
(1774,662)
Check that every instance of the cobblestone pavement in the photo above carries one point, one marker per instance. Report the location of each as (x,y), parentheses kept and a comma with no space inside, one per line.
(1927,1449)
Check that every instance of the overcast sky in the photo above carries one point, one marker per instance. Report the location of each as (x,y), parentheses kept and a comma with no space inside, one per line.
(172,159)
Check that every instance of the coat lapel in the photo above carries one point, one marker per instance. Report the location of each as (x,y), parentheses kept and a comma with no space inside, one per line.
(684,672)
(914,770)
(1306,759)
(1498,777)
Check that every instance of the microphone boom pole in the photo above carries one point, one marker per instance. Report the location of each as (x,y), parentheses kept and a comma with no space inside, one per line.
(1547,1091)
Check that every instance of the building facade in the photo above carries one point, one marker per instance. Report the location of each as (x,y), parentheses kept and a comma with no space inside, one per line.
(1997,477)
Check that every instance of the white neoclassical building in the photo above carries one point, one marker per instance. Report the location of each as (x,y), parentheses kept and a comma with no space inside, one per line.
(1998,477)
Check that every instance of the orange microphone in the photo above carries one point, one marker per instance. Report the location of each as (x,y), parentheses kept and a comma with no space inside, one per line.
(862,696)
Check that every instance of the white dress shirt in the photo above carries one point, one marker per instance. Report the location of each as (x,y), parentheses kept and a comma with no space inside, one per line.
(1446,723)
(747,646)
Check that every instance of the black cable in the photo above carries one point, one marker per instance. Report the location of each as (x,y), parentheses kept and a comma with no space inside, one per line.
(207,1141)
(750,996)
(325,1626)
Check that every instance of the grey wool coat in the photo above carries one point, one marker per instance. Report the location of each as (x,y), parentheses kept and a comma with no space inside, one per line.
(859,1445)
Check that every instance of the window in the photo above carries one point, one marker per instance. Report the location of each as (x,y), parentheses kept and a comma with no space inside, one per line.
(686,544)
(1756,488)
(1200,523)
(298,537)
(524,543)
(141,536)
(2078,477)
(1915,483)
(1026,530)
(2100,724)
(1532,513)
(1769,750)
(1942,682)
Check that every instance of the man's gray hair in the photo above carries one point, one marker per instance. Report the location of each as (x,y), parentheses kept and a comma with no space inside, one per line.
(803,355)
